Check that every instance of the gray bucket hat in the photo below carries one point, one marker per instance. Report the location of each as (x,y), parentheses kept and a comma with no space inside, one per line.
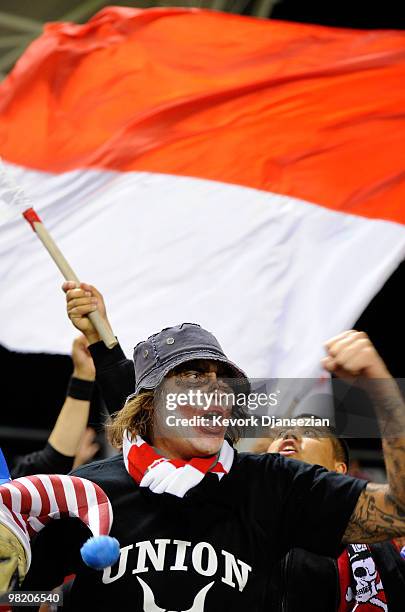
(162,352)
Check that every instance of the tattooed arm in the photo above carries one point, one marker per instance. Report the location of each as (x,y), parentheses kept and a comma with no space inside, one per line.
(377,517)
(380,511)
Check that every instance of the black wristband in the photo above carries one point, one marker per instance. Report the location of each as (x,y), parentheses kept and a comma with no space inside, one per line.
(80,389)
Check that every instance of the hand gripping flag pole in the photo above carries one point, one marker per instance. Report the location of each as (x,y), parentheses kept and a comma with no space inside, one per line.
(13,196)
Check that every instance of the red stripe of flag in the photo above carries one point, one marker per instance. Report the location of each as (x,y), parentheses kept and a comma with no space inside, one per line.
(81,497)
(31,530)
(22,525)
(103,510)
(26,497)
(7,501)
(46,504)
(60,495)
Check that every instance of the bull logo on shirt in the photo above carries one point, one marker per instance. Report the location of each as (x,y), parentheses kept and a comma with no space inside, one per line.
(149,604)
(172,556)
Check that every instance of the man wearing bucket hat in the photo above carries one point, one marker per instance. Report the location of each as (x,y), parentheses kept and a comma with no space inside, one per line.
(201,525)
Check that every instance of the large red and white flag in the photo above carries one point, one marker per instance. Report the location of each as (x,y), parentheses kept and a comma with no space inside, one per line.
(244,174)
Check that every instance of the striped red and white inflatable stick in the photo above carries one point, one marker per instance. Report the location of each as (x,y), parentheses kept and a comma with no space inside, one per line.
(29,503)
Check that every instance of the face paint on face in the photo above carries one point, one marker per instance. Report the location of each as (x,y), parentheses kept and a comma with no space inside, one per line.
(202,432)
(13,561)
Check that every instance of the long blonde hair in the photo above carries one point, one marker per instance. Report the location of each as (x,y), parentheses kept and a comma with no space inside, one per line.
(136,416)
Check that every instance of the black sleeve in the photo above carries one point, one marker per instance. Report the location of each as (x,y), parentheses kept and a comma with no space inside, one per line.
(115,374)
(45,461)
(318,507)
(314,504)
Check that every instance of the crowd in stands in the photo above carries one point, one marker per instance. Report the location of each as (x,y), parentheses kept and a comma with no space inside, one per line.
(287,528)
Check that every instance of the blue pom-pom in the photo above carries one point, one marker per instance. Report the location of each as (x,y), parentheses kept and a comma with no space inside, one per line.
(402,553)
(100,552)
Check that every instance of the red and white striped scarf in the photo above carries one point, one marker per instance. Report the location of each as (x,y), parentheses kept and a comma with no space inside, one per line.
(29,503)
(175,476)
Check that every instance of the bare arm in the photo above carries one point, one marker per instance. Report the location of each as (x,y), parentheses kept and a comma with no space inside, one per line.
(70,426)
(380,511)
(72,420)
(377,517)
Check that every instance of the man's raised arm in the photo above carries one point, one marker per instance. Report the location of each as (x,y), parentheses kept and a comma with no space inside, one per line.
(114,372)
(380,511)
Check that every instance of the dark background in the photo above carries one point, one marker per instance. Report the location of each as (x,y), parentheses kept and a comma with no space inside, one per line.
(343,13)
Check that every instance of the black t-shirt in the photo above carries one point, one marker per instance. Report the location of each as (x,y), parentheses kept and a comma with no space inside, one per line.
(210,551)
